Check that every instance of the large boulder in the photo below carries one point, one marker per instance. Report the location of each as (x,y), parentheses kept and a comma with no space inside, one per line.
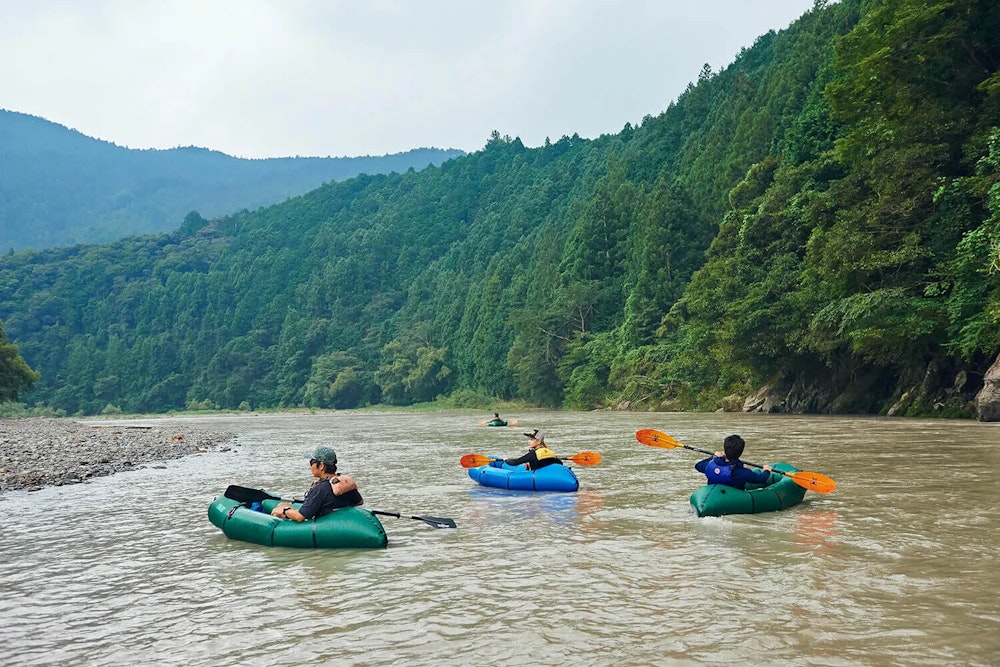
(988,398)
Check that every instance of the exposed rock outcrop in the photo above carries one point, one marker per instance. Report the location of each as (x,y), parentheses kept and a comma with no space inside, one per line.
(988,398)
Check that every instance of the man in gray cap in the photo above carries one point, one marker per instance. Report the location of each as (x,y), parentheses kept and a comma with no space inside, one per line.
(330,491)
(539,455)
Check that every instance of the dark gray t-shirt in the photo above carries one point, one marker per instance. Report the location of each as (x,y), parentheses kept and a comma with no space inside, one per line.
(321,500)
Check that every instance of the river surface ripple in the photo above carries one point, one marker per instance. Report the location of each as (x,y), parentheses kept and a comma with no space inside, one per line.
(896,567)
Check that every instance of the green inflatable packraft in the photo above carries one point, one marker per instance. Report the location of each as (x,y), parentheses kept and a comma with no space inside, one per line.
(780,492)
(345,528)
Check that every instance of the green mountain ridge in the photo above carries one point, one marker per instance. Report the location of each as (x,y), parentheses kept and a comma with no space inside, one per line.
(815,228)
(59,187)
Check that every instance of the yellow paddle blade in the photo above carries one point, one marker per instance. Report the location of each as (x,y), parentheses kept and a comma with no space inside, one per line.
(654,438)
(585,458)
(813,481)
(474,460)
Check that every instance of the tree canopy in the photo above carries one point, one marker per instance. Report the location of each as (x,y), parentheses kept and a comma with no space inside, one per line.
(15,375)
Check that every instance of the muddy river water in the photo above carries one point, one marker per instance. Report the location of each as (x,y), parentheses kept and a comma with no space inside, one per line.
(898,566)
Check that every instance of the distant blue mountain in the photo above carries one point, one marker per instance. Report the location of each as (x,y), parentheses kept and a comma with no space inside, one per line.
(59,187)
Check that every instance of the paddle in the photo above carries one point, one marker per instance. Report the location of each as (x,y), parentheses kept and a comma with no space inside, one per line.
(510,422)
(809,480)
(583,458)
(436,521)
(244,495)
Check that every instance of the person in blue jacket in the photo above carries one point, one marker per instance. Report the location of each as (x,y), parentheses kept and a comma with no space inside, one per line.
(726,468)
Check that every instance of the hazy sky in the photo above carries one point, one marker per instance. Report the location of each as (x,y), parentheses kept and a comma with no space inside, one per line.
(267,78)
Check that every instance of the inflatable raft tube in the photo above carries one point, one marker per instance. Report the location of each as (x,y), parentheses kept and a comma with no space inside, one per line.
(780,492)
(344,528)
(517,478)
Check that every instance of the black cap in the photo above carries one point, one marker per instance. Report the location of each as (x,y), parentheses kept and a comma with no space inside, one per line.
(536,435)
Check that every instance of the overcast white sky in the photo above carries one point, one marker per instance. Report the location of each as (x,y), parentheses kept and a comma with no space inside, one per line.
(269,78)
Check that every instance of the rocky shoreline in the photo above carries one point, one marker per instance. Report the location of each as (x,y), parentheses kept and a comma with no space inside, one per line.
(41,452)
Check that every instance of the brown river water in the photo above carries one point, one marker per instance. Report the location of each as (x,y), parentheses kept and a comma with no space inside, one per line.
(897,566)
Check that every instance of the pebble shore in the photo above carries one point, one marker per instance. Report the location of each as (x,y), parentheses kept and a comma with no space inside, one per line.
(41,452)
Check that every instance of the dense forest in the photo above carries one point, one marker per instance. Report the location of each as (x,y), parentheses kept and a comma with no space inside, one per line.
(59,187)
(814,228)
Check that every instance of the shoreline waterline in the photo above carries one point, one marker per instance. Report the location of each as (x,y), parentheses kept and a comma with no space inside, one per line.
(37,452)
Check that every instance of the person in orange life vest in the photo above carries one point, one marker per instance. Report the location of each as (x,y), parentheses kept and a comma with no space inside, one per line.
(539,455)
(726,467)
(330,491)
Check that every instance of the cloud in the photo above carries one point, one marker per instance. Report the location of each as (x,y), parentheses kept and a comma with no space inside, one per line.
(256,78)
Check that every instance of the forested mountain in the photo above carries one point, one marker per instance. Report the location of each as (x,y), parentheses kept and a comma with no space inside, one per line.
(818,223)
(59,187)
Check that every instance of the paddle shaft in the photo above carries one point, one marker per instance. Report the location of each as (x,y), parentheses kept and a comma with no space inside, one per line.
(583,459)
(705,451)
(809,480)
(246,495)
(436,521)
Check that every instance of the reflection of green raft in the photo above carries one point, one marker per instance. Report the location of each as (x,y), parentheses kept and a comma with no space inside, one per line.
(779,493)
(345,528)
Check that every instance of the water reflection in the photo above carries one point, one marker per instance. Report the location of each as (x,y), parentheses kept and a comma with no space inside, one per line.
(816,531)
(568,509)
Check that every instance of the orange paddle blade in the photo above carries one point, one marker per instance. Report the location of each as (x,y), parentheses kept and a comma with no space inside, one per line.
(474,460)
(654,438)
(585,458)
(808,480)
(813,481)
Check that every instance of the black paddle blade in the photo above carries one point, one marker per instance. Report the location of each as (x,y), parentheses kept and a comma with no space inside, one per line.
(242,494)
(436,521)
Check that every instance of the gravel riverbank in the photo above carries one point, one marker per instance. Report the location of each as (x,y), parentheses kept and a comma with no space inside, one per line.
(45,452)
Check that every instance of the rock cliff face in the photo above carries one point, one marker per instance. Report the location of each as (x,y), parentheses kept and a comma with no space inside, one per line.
(943,389)
(988,398)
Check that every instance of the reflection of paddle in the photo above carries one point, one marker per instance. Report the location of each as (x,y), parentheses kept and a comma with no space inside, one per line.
(808,480)
(583,459)
(507,422)
(244,495)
